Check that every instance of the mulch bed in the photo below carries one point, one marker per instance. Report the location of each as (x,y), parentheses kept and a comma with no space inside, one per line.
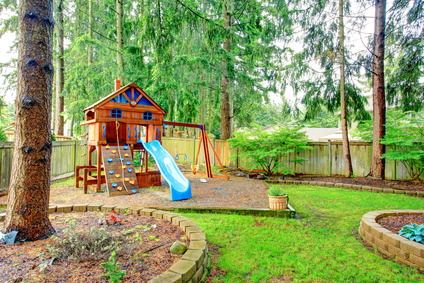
(144,253)
(396,222)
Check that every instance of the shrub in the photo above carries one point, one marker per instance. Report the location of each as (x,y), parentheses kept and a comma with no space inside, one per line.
(275,191)
(404,138)
(96,243)
(267,149)
(413,232)
(113,269)
(2,135)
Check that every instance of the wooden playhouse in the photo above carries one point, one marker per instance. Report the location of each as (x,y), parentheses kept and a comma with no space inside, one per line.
(115,124)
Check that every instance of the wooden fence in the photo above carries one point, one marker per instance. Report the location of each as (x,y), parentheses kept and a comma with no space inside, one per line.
(325,158)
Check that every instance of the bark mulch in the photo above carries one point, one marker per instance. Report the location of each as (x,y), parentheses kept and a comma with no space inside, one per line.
(143,254)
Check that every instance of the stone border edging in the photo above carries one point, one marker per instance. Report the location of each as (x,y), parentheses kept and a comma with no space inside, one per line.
(193,265)
(349,186)
(389,243)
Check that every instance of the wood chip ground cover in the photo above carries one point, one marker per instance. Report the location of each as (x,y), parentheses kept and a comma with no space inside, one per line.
(146,256)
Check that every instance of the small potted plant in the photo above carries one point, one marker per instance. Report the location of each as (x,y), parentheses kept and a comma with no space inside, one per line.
(277,198)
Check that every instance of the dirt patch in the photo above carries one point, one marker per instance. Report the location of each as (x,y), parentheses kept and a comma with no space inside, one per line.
(143,254)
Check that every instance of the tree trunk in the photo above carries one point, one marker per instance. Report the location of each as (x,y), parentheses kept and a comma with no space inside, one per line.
(119,40)
(210,105)
(225,96)
(29,189)
(379,98)
(343,116)
(60,104)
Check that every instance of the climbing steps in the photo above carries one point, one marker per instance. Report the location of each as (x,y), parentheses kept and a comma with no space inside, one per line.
(119,170)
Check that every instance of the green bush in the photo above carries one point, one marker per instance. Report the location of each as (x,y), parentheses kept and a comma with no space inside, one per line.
(276,191)
(267,149)
(404,138)
(2,135)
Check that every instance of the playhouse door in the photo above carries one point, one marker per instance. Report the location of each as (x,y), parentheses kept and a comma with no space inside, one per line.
(111,137)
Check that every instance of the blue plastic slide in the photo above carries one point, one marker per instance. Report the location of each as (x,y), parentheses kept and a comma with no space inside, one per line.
(180,186)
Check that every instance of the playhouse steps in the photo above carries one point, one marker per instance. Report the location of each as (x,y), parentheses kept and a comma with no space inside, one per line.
(119,170)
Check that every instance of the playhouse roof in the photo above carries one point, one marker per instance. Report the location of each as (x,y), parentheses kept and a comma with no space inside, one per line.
(122,90)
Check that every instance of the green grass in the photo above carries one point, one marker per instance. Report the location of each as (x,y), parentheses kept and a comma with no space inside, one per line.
(319,247)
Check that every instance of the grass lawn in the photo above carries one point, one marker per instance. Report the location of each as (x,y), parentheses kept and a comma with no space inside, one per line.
(320,247)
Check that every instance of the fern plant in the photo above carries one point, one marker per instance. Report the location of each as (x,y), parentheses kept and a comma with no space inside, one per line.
(413,232)
(112,267)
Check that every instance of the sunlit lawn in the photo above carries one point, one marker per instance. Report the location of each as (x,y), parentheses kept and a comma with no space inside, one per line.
(320,247)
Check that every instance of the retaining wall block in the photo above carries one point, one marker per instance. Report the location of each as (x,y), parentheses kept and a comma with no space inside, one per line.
(177,220)
(198,275)
(198,245)
(329,184)
(52,208)
(193,229)
(135,209)
(167,277)
(147,211)
(305,182)
(377,190)
(80,207)
(357,187)
(412,247)
(64,208)
(400,192)
(158,214)
(378,232)
(367,188)
(420,194)
(338,185)
(417,260)
(411,193)
(185,224)
(168,216)
(122,208)
(197,236)
(187,268)
(389,191)
(296,182)
(108,207)
(312,183)
(195,255)
(94,206)
(393,239)
(398,252)
(322,184)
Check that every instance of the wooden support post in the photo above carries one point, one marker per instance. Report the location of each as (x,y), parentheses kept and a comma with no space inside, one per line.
(206,151)
(85,176)
(217,157)
(329,158)
(99,168)
(198,149)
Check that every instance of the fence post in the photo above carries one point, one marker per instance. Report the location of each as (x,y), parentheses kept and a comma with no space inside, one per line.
(329,158)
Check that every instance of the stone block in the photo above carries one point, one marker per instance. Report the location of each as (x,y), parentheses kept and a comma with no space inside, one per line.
(312,183)
(193,229)
(122,209)
(52,208)
(305,182)
(64,208)
(80,207)
(198,245)
(400,192)
(198,275)
(296,182)
(418,260)
(108,207)
(420,194)
(135,209)
(322,184)
(329,184)
(398,252)
(147,211)
(195,255)
(158,214)
(393,239)
(186,268)
(378,232)
(177,220)
(168,216)
(388,191)
(411,193)
(377,190)
(367,188)
(412,247)
(94,206)
(381,244)
(356,187)
(338,185)
(167,277)
(197,236)
(185,224)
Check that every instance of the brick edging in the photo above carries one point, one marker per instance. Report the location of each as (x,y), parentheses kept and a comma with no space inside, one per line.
(389,243)
(350,186)
(193,265)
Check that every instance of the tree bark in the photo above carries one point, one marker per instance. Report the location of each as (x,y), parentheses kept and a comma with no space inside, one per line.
(29,189)
(119,40)
(225,96)
(90,32)
(379,98)
(60,80)
(343,115)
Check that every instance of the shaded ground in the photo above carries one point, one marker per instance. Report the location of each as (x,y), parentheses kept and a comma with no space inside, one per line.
(143,252)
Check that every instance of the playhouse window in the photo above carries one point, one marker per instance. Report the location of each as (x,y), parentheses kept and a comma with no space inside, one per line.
(116,113)
(147,116)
